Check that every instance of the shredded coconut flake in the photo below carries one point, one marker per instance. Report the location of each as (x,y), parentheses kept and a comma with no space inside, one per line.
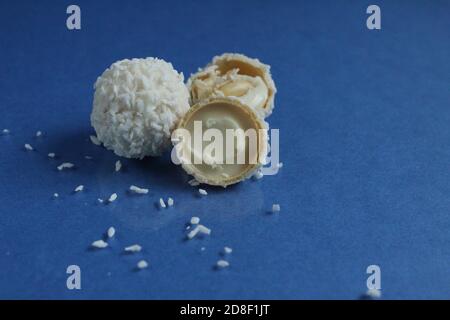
(79,188)
(113,197)
(170,202)
(198,229)
(88,157)
(227,250)
(193,233)
(55,195)
(118,165)
(204,229)
(138,190)
(202,192)
(111,232)
(5,131)
(162,203)
(65,165)
(280,165)
(276,208)
(28,147)
(195,220)
(258,175)
(95,140)
(193,182)
(100,200)
(142,264)
(38,133)
(100,244)
(222,264)
(51,155)
(133,248)
(373,293)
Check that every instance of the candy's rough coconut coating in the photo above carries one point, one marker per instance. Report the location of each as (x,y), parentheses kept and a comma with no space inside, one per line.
(136,105)
(235,75)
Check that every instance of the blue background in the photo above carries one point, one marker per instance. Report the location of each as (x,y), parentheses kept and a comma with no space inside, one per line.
(364,119)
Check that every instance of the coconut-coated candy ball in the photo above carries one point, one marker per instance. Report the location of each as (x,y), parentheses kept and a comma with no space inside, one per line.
(136,105)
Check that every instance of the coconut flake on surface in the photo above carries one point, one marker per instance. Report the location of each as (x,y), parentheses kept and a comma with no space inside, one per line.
(51,155)
(195,220)
(95,140)
(198,229)
(258,175)
(111,232)
(112,197)
(193,183)
(170,202)
(118,166)
(79,188)
(142,264)
(133,248)
(162,204)
(222,264)
(138,190)
(5,131)
(373,293)
(276,208)
(202,192)
(55,195)
(88,157)
(193,233)
(65,165)
(38,133)
(227,250)
(100,200)
(99,244)
(28,147)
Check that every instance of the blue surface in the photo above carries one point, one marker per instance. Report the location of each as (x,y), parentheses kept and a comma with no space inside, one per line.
(364,120)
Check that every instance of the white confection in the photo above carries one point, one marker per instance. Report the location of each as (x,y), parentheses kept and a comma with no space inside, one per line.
(136,105)
(162,203)
(170,202)
(28,147)
(51,155)
(79,188)
(202,192)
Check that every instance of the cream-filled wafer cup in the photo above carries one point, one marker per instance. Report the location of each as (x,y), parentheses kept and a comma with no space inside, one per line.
(221,141)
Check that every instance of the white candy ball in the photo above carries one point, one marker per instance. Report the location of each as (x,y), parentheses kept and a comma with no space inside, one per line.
(136,105)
